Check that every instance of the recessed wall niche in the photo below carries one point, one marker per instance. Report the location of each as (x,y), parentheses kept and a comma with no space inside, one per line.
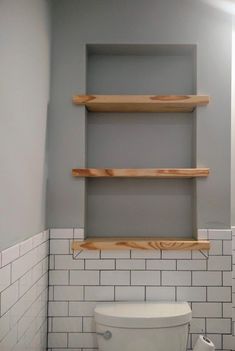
(131,207)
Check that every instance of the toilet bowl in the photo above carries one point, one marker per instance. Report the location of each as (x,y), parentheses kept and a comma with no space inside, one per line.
(144,326)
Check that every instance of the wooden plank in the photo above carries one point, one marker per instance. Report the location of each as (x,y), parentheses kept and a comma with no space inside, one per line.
(141,172)
(140,243)
(141,103)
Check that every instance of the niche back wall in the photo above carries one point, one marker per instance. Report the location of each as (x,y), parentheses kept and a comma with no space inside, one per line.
(140,207)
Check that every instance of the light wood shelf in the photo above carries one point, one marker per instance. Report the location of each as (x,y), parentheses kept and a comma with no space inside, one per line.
(123,243)
(141,103)
(141,172)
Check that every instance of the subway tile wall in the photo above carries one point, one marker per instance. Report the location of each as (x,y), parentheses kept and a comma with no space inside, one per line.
(233,283)
(80,281)
(24,294)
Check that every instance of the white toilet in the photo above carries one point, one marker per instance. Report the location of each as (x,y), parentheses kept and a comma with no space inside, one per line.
(143,326)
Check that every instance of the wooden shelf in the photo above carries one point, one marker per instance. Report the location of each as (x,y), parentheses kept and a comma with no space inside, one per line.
(140,243)
(141,103)
(141,172)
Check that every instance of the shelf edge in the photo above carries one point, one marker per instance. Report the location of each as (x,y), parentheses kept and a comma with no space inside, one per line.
(141,172)
(140,243)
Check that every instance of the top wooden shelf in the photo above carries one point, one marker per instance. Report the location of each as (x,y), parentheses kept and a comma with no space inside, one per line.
(141,103)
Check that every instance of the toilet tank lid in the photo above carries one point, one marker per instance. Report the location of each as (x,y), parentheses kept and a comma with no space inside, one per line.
(143,314)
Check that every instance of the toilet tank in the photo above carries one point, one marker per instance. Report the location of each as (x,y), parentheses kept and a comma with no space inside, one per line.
(144,326)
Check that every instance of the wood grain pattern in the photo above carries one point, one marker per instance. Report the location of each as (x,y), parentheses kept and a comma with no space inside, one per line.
(141,172)
(140,243)
(141,103)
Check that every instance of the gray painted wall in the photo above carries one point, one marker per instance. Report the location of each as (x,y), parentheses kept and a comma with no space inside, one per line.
(77,23)
(24,85)
(233,130)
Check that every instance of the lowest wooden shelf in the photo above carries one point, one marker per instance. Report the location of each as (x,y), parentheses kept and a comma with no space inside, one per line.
(141,103)
(141,172)
(123,243)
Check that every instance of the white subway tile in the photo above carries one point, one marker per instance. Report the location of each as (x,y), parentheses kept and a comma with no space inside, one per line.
(216,247)
(58,277)
(10,254)
(23,264)
(25,282)
(216,263)
(38,239)
(225,234)
(46,234)
(68,262)
(115,278)
(28,319)
(57,309)
(52,262)
(84,277)
(79,233)
(227,309)
(99,293)
(82,308)
(49,324)
(10,340)
(100,264)
(191,265)
(218,325)
(200,255)
(160,293)
(227,278)
(176,254)
(9,297)
(59,246)
(146,254)
(45,265)
(228,342)
(176,278)
(61,233)
(21,306)
(130,264)
(164,265)
(202,234)
(57,340)
(41,251)
(4,325)
(83,340)
(64,293)
(227,247)
(86,254)
(129,293)
(37,271)
(207,278)
(207,309)
(220,294)
(145,278)
(67,324)
(51,293)
(89,325)
(5,277)
(191,293)
(198,326)
(26,246)
(115,254)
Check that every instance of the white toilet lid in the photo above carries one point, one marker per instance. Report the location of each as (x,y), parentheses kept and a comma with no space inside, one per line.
(143,314)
